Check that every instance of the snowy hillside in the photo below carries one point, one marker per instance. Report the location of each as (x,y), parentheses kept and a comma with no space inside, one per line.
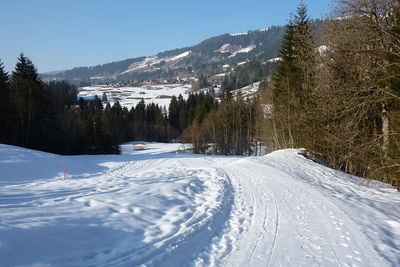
(255,45)
(158,207)
(131,96)
(153,63)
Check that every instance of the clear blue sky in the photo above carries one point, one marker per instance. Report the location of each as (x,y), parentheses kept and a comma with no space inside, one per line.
(61,34)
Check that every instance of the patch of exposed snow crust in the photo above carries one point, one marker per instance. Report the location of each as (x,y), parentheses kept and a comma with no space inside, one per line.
(246,49)
(223,49)
(276,59)
(151,61)
(322,49)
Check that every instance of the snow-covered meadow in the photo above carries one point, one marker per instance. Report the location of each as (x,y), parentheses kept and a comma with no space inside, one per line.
(162,207)
(131,96)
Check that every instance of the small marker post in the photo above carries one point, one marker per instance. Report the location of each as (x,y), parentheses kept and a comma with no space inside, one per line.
(65,173)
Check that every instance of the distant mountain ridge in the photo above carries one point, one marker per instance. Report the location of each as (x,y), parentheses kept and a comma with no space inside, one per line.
(209,57)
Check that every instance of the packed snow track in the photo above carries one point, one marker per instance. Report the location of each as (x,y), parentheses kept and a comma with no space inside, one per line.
(161,207)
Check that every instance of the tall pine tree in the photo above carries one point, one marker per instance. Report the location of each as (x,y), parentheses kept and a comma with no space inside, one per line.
(5,107)
(30,99)
(293,82)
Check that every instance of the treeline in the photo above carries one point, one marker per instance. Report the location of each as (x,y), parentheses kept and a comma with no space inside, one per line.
(342,101)
(50,117)
(233,128)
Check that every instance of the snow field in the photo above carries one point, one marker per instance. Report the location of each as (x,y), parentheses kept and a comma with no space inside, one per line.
(158,207)
(132,212)
(131,96)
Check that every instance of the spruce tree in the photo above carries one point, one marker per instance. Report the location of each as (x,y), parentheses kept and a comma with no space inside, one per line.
(304,49)
(104,97)
(173,113)
(5,107)
(305,79)
(30,100)
(293,82)
(283,84)
(4,79)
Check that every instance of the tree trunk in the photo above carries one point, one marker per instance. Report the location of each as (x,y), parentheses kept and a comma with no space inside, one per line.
(385,129)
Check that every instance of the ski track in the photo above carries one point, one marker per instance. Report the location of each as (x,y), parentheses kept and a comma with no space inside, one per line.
(171,209)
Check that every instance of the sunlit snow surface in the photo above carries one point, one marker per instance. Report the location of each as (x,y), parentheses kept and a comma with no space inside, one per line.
(162,207)
(131,96)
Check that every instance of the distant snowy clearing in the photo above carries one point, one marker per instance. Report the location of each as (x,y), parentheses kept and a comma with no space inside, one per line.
(131,96)
(161,207)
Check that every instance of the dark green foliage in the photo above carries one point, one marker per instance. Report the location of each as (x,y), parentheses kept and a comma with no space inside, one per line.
(292,83)
(48,117)
(31,102)
(104,98)
(182,113)
(5,107)
(173,113)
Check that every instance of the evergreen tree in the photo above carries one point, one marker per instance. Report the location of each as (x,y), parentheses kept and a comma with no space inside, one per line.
(173,113)
(283,85)
(292,84)
(304,51)
(30,99)
(5,107)
(104,97)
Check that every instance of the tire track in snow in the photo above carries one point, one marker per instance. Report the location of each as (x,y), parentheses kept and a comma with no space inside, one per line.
(315,207)
(308,236)
(260,183)
(259,236)
(252,214)
(276,228)
(330,223)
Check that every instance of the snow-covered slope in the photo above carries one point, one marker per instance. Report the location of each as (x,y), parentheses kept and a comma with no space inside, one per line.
(213,53)
(248,91)
(159,207)
(149,63)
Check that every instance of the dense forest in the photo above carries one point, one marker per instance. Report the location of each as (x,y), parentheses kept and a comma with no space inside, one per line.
(50,117)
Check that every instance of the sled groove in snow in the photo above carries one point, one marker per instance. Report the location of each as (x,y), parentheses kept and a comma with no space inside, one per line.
(276,228)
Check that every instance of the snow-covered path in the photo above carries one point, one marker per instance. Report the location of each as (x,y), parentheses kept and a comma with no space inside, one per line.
(288,223)
(162,208)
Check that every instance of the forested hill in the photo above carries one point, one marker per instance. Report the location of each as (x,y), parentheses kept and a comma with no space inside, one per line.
(208,57)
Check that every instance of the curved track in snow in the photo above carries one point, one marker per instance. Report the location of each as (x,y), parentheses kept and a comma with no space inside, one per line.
(162,208)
